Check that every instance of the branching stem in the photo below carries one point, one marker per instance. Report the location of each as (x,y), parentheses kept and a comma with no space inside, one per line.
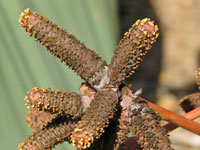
(174,118)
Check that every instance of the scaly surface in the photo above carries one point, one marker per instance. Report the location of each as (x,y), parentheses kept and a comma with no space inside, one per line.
(116,133)
(65,46)
(63,103)
(38,119)
(121,131)
(132,48)
(147,130)
(145,123)
(48,137)
(96,118)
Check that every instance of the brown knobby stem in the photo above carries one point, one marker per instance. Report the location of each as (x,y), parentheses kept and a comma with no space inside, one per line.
(46,126)
(107,140)
(190,102)
(115,134)
(85,62)
(168,127)
(147,130)
(122,130)
(193,114)
(90,67)
(198,78)
(37,120)
(131,49)
(48,137)
(175,118)
(55,102)
(95,119)
(131,142)
(145,123)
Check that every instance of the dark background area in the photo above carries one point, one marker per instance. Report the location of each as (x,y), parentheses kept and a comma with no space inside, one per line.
(146,77)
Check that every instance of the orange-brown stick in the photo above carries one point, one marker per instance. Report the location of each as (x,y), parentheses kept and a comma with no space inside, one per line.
(175,118)
(190,115)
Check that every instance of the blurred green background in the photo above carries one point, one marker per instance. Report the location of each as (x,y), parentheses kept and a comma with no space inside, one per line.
(25,64)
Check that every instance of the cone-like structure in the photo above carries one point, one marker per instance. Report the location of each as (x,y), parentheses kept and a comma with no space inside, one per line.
(48,137)
(122,131)
(117,132)
(63,103)
(145,125)
(147,130)
(132,48)
(65,46)
(95,119)
(37,120)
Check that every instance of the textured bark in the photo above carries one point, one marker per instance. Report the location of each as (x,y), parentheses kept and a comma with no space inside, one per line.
(147,130)
(63,103)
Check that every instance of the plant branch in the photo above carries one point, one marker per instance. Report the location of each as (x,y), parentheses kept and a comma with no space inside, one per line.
(85,62)
(190,115)
(175,118)
(144,122)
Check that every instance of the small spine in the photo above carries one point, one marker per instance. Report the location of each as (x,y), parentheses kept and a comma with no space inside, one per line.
(132,48)
(63,103)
